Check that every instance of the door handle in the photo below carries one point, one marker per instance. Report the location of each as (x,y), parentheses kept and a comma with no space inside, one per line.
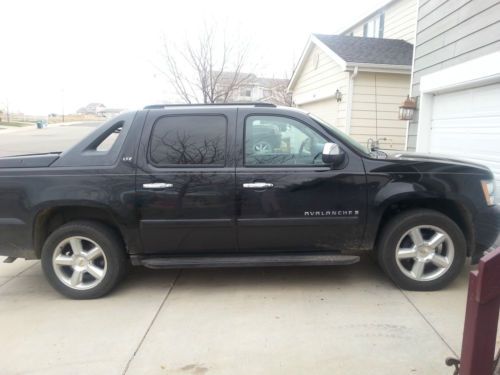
(257,185)
(157,185)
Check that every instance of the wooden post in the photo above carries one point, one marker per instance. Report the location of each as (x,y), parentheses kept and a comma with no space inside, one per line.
(481,317)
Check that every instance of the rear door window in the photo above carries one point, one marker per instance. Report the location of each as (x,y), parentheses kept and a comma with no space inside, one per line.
(189,140)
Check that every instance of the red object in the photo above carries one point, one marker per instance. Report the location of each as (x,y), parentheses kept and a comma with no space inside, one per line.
(481,317)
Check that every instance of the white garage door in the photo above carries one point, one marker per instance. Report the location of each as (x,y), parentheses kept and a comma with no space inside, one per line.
(466,124)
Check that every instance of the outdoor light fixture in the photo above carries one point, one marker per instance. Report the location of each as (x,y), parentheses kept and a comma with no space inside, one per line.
(338,96)
(407,109)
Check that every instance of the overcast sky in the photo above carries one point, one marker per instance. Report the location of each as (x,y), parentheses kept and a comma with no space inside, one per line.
(80,51)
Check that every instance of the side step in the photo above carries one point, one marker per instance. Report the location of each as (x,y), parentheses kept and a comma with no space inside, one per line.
(253,260)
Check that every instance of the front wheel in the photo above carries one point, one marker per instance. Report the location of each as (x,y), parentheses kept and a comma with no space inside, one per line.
(421,250)
(83,260)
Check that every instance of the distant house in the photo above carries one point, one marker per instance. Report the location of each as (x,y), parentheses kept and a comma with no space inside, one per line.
(357,80)
(109,112)
(91,109)
(456,81)
(247,87)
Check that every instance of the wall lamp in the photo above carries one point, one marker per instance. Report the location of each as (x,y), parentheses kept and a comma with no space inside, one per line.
(407,109)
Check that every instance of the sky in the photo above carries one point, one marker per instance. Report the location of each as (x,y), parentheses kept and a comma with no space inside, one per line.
(62,55)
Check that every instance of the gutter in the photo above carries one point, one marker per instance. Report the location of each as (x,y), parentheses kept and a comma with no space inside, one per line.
(349,100)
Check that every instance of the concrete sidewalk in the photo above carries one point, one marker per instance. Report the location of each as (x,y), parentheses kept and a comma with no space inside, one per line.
(317,320)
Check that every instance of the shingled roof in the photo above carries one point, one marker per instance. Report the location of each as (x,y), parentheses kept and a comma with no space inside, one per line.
(355,49)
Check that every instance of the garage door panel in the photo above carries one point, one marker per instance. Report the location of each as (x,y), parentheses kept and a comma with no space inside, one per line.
(471,124)
(466,124)
(480,101)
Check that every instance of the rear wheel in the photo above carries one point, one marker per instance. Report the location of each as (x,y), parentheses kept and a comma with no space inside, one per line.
(421,250)
(83,260)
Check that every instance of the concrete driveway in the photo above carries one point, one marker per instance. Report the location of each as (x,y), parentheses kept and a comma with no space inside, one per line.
(318,320)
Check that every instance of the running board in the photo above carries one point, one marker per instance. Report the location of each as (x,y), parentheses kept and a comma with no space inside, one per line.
(248,261)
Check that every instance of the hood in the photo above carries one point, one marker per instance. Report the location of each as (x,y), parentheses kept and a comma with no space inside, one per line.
(435,158)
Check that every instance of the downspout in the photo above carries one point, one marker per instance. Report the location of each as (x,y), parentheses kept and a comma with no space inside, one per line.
(349,100)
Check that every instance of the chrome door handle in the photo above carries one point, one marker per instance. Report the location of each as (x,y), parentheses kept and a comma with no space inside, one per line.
(257,185)
(157,185)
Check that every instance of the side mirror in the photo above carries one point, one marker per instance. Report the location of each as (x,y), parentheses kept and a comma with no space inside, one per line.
(332,154)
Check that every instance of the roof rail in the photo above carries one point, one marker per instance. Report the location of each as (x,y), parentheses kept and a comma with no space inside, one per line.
(255,104)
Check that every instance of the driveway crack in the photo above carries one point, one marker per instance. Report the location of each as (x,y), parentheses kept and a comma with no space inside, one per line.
(152,322)
(429,323)
(18,274)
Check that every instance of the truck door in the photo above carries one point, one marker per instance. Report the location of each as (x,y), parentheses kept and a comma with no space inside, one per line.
(185,181)
(288,199)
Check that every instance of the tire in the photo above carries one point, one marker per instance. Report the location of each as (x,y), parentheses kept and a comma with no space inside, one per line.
(84,260)
(429,266)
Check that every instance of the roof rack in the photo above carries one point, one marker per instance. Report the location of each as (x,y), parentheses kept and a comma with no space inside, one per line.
(255,104)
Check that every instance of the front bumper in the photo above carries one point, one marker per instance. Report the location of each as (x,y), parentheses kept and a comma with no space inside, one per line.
(486,230)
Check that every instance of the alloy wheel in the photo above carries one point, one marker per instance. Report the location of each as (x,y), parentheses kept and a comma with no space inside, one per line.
(79,263)
(425,253)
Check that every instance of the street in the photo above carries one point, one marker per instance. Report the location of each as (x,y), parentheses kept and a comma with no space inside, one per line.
(28,140)
(316,320)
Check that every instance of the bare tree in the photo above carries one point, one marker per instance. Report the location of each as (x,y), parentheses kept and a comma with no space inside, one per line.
(281,95)
(206,70)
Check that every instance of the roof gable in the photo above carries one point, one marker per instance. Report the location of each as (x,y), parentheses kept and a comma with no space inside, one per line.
(349,51)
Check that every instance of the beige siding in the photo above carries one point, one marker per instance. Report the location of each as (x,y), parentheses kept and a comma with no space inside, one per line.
(375,108)
(326,110)
(357,30)
(400,21)
(316,85)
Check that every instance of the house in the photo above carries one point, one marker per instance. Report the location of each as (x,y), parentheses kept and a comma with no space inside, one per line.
(456,81)
(91,109)
(397,19)
(357,80)
(248,87)
(109,112)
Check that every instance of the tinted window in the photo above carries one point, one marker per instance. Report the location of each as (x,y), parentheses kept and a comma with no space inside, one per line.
(192,140)
(281,141)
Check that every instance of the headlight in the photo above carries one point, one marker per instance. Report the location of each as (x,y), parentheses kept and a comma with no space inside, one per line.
(489,191)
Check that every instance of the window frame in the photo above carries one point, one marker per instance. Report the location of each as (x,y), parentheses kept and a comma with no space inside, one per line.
(381,26)
(177,166)
(245,165)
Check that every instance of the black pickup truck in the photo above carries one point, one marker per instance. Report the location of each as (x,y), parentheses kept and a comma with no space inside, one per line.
(239,185)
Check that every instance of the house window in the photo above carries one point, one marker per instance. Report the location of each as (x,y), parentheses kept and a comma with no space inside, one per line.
(246,91)
(316,61)
(381,25)
(375,27)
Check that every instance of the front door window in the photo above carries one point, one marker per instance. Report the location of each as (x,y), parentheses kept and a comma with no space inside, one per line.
(281,141)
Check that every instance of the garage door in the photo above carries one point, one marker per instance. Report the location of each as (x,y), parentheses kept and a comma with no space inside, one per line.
(466,124)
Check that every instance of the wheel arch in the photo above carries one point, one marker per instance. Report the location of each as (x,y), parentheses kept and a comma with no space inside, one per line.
(49,219)
(455,210)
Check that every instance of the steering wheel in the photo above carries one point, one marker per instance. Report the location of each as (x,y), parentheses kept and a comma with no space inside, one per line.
(316,156)
(303,146)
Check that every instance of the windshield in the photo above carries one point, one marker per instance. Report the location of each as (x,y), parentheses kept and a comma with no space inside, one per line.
(341,135)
